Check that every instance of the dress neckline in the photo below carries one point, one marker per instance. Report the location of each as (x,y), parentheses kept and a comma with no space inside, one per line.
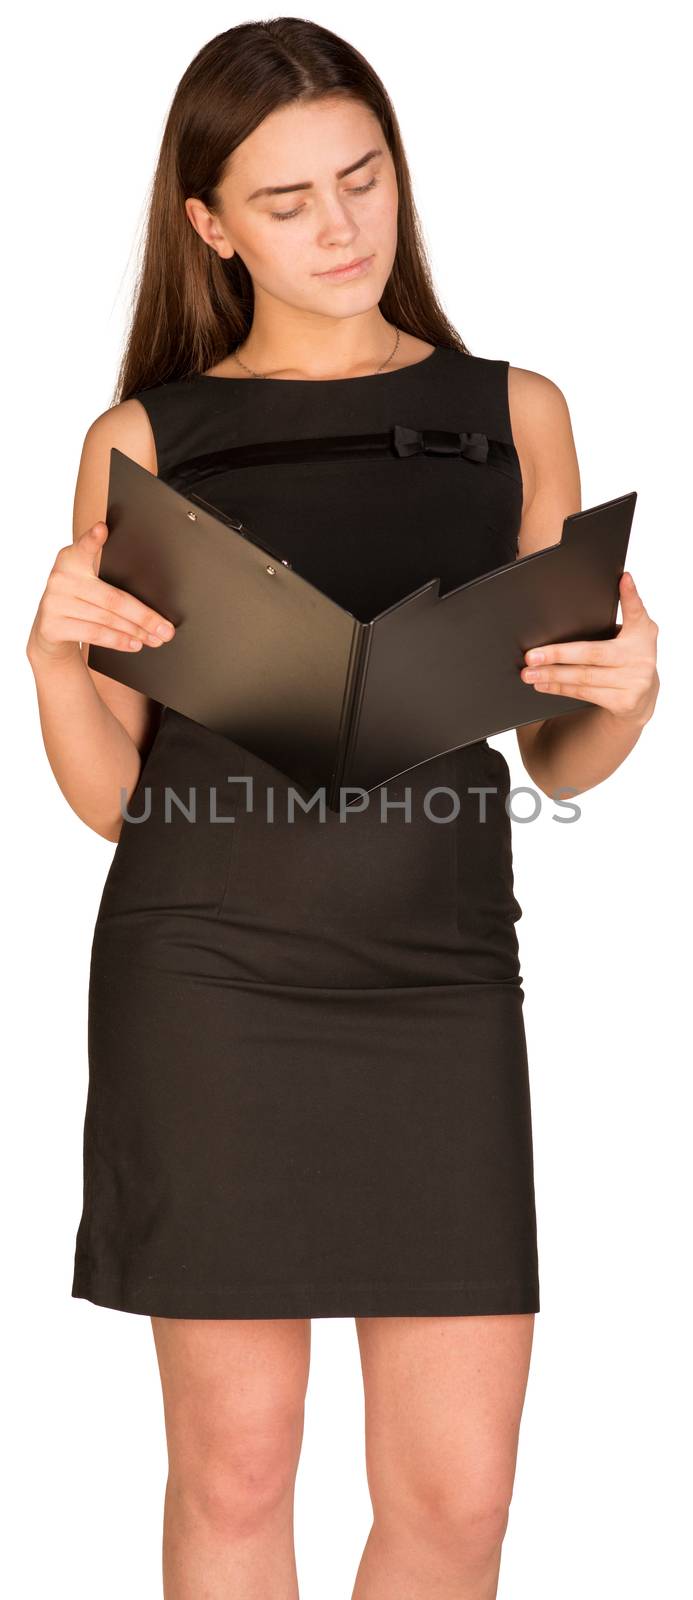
(367,377)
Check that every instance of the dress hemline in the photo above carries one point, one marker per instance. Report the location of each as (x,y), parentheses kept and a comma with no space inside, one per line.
(150,1297)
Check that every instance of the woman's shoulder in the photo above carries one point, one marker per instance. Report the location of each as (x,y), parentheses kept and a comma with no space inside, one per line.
(126,427)
(543,434)
(534,392)
(539,413)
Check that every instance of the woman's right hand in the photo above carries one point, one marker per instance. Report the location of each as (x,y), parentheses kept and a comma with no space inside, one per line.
(78,606)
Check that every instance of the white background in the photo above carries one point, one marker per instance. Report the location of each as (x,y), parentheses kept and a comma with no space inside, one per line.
(547,148)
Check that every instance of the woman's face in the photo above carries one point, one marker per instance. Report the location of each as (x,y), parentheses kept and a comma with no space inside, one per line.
(327,217)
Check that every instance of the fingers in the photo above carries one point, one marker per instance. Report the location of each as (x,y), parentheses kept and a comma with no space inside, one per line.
(637,631)
(66,615)
(83,631)
(622,674)
(104,626)
(564,680)
(79,607)
(75,592)
(596,651)
(104,602)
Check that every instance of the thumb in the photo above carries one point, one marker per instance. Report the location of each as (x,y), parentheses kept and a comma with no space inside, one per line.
(91,542)
(632,608)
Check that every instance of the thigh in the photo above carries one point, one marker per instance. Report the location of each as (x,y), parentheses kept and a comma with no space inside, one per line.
(443,1403)
(233,1390)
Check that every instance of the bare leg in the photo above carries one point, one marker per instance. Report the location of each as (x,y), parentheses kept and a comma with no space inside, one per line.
(444,1398)
(234,1394)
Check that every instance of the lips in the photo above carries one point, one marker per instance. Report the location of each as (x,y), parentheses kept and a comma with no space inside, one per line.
(355,263)
(345,267)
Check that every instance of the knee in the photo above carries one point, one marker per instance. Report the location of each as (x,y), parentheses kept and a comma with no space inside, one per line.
(236,1483)
(468,1523)
(458,1518)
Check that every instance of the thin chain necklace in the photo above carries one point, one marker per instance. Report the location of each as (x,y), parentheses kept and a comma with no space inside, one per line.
(265,374)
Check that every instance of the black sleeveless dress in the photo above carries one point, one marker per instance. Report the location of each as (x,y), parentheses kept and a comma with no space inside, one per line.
(308,1078)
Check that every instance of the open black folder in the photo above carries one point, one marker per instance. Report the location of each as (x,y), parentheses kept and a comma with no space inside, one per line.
(263,657)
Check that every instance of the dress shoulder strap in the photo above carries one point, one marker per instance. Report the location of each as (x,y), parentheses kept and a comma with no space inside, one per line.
(177,423)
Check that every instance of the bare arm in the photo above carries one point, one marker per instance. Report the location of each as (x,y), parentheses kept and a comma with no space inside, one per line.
(618,676)
(96,732)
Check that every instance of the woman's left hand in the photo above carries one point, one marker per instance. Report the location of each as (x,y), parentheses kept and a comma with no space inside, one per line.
(618,674)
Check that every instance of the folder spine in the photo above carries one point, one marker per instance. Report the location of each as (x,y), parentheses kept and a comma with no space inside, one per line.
(354,686)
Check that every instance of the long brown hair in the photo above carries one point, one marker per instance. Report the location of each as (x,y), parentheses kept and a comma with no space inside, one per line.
(189,306)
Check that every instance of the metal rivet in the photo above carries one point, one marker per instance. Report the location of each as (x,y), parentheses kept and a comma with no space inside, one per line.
(192,515)
(272,570)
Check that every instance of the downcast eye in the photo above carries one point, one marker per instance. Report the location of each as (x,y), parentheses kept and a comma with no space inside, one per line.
(284,216)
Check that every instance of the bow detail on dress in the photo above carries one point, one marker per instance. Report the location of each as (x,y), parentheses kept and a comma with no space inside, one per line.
(434,442)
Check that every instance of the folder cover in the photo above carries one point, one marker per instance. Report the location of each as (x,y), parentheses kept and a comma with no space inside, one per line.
(263,657)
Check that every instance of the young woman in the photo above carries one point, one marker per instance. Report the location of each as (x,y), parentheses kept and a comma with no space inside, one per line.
(308,1088)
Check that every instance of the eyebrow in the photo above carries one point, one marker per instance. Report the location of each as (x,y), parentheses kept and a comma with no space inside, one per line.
(290,188)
